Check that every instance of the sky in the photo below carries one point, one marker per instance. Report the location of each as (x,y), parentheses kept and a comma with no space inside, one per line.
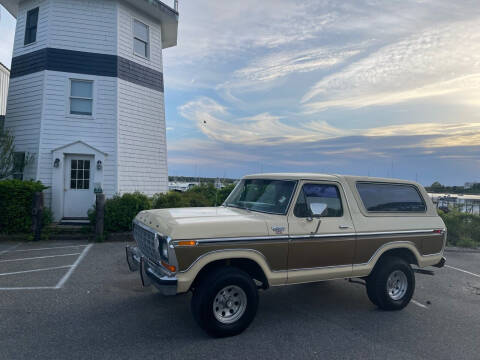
(381,88)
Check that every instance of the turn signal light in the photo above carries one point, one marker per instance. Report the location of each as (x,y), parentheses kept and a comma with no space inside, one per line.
(170,268)
(187,243)
(438,231)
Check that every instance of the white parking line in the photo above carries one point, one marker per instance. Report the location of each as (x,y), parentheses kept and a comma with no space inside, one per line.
(49,248)
(464,271)
(27,288)
(9,249)
(35,270)
(64,279)
(419,304)
(38,257)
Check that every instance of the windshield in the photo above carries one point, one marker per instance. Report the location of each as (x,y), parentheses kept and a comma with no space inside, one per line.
(264,195)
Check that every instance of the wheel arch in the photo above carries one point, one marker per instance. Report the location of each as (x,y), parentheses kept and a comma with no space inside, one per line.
(250,261)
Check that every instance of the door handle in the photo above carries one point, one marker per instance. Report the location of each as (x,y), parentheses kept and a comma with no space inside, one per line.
(344,227)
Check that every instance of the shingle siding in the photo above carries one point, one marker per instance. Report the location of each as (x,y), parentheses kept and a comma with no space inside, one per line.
(141,140)
(24,114)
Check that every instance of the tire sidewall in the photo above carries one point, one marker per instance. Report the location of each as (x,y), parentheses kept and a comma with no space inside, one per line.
(383,298)
(211,286)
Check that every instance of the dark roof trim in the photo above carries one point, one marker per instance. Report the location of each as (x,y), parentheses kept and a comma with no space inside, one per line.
(6,68)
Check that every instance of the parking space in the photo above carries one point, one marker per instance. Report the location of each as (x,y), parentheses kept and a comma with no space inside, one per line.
(100,310)
(31,266)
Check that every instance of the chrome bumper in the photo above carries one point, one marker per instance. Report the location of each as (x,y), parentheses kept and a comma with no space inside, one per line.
(151,273)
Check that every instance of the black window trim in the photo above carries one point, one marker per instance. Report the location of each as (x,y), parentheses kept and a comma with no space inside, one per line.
(320,182)
(29,41)
(391,183)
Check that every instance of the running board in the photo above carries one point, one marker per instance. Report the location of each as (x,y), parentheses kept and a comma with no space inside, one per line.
(424,272)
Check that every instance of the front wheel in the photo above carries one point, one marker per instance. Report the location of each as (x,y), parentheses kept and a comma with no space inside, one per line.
(391,284)
(225,302)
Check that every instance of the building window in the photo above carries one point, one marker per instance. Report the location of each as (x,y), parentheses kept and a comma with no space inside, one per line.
(31,26)
(81,97)
(80,175)
(140,39)
(387,197)
(18,165)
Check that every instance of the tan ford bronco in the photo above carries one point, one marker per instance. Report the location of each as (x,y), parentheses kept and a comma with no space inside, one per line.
(282,229)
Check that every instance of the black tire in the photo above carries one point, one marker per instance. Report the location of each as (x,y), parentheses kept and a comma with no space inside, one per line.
(377,283)
(204,296)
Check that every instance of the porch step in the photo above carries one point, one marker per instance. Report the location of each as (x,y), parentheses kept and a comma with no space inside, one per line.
(80,222)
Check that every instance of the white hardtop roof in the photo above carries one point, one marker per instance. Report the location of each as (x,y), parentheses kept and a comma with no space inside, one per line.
(167,16)
(318,176)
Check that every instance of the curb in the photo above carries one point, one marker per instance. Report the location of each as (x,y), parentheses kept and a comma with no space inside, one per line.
(461,250)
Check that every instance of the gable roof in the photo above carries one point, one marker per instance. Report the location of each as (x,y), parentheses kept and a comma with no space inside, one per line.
(80,143)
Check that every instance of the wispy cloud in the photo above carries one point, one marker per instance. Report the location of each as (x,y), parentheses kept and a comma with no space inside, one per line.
(436,62)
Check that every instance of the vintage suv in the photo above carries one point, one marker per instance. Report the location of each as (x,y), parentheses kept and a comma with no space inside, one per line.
(282,229)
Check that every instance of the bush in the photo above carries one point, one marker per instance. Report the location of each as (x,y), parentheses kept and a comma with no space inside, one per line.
(198,196)
(121,210)
(16,200)
(463,229)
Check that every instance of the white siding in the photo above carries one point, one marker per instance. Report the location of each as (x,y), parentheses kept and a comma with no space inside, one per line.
(42,28)
(141,140)
(24,111)
(126,14)
(59,128)
(4,80)
(84,25)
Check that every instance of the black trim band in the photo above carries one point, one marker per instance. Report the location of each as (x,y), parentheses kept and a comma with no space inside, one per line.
(80,62)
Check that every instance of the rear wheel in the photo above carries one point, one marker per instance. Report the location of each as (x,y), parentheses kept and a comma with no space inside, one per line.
(225,302)
(391,284)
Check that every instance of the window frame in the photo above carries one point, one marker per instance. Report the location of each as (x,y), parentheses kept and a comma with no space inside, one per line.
(383,212)
(20,173)
(28,29)
(70,97)
(300,192)
(147,56)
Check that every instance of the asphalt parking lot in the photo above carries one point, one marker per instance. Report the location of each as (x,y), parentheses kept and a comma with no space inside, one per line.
(74,300)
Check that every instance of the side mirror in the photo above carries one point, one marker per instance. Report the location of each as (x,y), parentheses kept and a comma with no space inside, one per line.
(317,209)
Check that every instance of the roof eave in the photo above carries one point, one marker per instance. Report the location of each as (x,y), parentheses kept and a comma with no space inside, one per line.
(11,6)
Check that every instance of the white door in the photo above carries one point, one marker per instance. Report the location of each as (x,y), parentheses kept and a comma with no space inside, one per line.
(79,196)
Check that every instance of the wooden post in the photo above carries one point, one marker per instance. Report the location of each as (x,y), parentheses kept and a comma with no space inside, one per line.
(100,216)
(37,216)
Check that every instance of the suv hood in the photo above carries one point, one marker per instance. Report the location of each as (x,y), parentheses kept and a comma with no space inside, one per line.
(205,222)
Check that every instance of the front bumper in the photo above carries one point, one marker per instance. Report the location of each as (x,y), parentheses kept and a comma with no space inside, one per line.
(151,273)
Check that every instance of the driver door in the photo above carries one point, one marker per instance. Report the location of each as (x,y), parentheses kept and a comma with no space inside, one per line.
(322,246)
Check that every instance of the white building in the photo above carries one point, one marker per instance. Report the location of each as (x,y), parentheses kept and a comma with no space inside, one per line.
(86,97)
(4,79)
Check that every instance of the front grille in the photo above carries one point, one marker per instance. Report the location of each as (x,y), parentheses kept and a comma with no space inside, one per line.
(145,240)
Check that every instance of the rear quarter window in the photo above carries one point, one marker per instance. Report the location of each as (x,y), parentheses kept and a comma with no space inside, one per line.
(386,197)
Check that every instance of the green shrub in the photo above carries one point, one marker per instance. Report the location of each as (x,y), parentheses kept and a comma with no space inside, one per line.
(16,200)
(463,229)
(121,210)
(198,196)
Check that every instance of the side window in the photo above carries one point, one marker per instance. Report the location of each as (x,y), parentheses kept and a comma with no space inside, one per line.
(81,97)
(141,37)
(319,194)
(31,26)
(386,197)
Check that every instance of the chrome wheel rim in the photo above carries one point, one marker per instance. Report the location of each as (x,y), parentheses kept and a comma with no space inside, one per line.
(229,304)
(397,285)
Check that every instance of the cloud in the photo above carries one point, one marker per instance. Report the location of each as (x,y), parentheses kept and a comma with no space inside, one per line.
(283,63)
(439,61)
